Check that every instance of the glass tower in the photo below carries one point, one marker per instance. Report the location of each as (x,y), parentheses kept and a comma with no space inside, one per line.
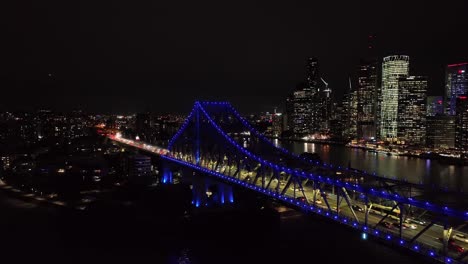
(367,99)
(412,97)
(456,84)
(393,68)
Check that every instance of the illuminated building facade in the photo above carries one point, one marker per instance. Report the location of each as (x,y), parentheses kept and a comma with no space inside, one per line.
(440,131)
(411,116)
(299,108)
(456,84)
(393,68)
(461,126)
(367,99)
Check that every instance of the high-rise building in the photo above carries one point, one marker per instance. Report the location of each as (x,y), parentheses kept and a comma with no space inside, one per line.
(349,113)
(435,105)
(314,84)
(393,68)
(325,108)
(440,131)
(299,110)
(367,99)
(277,124)
(312,75)
(336,122)
(456,84)
(309,108)
(411,115)
(461,125)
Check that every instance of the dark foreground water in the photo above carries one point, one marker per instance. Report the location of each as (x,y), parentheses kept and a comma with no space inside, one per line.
(113,233)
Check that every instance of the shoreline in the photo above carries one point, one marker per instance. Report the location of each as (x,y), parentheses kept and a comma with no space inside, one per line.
(432,156)
(426,156)
(316,141)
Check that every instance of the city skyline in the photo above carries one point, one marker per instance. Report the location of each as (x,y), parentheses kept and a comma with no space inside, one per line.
(61,63)
(170,131)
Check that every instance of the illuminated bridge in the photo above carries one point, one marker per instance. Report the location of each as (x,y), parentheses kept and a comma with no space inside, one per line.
(215,140)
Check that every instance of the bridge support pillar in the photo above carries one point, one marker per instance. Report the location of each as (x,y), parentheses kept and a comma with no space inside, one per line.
(198,190)
(167,176)
(225,194)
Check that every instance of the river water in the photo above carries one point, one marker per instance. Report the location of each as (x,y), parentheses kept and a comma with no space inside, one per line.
(416,170)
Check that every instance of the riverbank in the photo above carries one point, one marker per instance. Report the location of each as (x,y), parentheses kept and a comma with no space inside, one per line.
(443,158)
(316,141)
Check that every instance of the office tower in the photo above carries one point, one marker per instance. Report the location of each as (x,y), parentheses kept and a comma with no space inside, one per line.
(314,84)
(349,113)
(434,105)
(277,124)
(393,68)
(461,125)
(411,114)
(456,84)
(299,110)
(326,108)
(367,99)
(440,131)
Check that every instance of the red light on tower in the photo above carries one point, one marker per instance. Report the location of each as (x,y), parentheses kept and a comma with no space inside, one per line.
(460,71)
(439,101)
(462,97)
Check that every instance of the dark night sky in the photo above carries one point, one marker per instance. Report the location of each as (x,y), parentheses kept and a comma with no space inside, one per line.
(118,56)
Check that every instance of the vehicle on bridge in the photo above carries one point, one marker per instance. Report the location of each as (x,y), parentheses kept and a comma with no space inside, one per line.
(384,210)
(456,248)
(386,224)
(460,237)
(357,208)
(416,221)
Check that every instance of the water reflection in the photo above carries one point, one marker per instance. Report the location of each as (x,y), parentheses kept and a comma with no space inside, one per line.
(396,167)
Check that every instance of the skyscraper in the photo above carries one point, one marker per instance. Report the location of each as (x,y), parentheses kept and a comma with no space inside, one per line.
(325,107)
(411,117)
(440,132)
(393,68)
(313,78)
(456,84)
(367,99)
(309,107)
(314,85)
(299,110)
(461,123)
(349,113)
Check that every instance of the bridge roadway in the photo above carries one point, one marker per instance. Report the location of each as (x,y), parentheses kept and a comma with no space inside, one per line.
(430,238)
